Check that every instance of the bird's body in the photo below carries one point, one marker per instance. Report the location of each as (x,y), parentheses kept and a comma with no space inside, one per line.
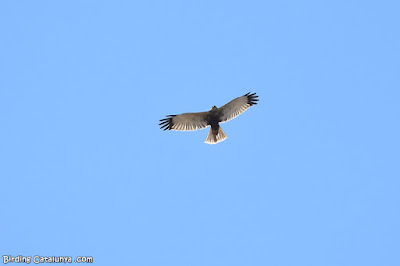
(212,118)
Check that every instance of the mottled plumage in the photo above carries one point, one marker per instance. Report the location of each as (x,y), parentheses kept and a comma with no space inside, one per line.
(194,121)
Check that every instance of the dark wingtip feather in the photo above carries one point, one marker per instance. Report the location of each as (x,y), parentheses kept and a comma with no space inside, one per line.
(252,98)
(166,123)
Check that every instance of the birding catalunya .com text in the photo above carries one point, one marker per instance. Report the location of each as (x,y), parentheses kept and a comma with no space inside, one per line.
(45,259)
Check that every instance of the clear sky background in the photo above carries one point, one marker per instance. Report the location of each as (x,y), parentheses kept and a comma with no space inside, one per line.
(310,176)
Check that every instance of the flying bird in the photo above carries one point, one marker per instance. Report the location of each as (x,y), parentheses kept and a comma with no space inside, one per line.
(194,121)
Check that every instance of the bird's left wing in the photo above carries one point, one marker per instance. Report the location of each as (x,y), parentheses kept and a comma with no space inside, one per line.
(185,122)
(237,106)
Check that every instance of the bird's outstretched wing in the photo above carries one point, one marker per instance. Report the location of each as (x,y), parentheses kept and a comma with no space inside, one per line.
(184,122)
(237,106)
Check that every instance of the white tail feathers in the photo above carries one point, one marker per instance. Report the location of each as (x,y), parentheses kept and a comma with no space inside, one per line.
(214,139)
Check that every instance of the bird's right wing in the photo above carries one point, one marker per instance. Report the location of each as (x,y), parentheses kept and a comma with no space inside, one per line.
(237,106)
(185,122)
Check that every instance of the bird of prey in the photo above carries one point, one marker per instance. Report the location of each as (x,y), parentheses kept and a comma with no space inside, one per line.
(194,121)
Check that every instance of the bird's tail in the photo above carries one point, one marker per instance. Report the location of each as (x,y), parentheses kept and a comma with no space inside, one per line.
(213,138)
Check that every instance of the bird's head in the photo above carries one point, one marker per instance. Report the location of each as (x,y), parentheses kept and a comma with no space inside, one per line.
(214,108)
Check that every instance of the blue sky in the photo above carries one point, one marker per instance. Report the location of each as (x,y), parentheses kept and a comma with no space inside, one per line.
(310,176)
